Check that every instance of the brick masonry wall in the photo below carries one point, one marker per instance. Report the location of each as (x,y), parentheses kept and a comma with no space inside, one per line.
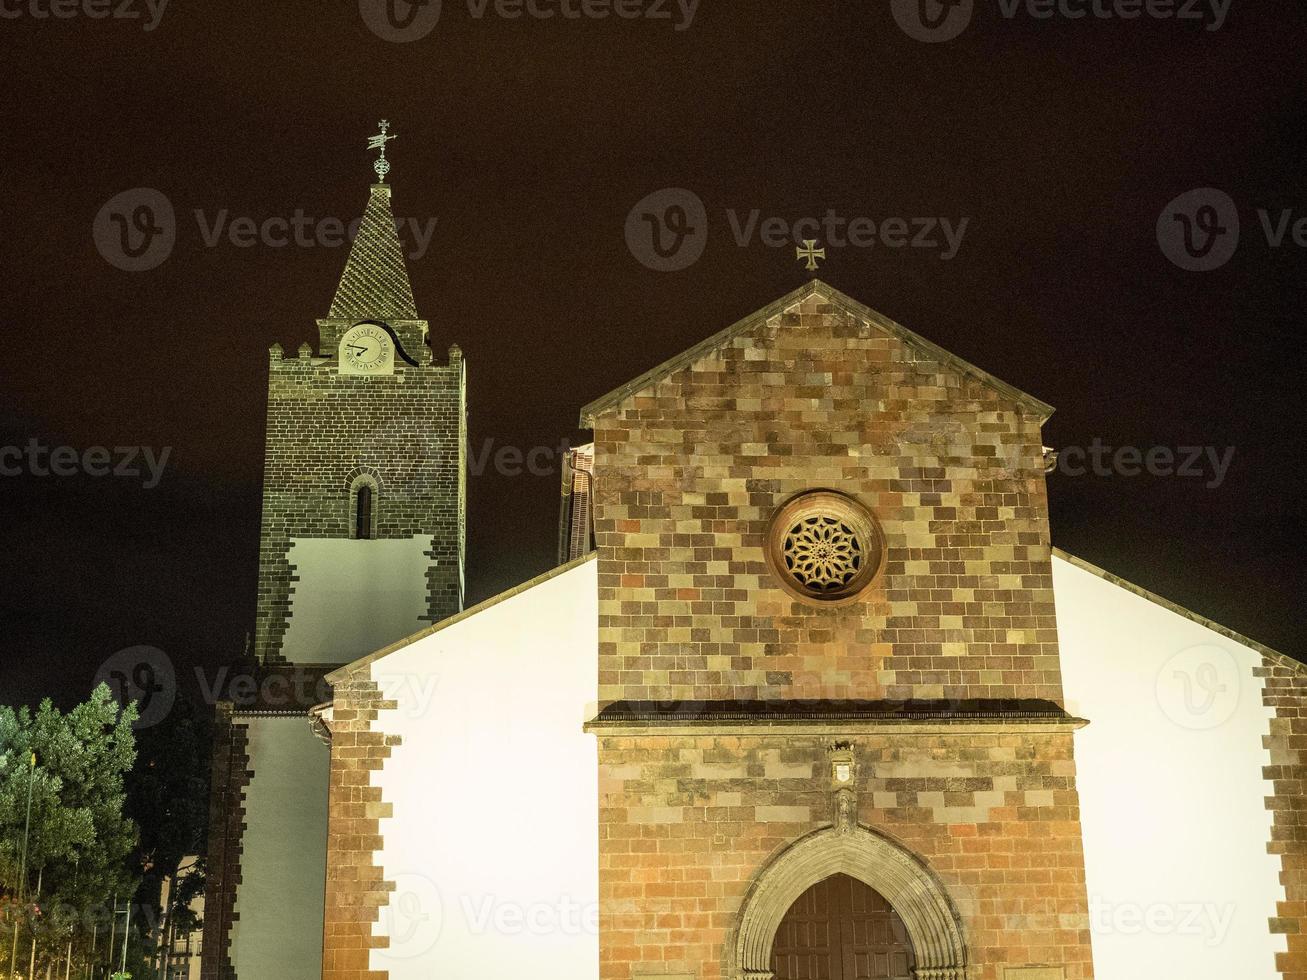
(356,888)
(688,821)
(323,429)
(690,471)
(231,775)
(1285,692)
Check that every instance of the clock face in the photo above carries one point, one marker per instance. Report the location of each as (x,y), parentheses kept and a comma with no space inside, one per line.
(366,349)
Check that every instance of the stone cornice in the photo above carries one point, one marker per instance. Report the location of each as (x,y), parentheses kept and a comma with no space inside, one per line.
(823,717)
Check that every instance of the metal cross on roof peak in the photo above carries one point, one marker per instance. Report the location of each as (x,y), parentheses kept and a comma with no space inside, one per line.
(378,142)
(811,252)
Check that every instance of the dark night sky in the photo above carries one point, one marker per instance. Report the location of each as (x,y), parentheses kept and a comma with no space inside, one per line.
(530,141)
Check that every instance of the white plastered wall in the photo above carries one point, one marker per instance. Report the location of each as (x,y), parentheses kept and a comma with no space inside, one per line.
(280,900)
(354,596)
(493,842)
(1171,788)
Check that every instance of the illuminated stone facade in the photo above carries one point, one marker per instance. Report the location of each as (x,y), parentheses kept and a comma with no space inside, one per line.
(724,692)
(637,765)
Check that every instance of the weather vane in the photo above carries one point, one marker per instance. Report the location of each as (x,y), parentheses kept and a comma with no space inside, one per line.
(381,165)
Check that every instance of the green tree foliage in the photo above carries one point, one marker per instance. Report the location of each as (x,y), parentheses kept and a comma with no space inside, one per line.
(168,797)
(80,838)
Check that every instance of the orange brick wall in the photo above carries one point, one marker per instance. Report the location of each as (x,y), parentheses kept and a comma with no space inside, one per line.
(356,887)
(687,822)
(690,471)
(688,474)
(231,775)
(1286,693)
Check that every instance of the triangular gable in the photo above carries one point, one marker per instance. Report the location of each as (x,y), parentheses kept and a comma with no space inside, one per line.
(851,306)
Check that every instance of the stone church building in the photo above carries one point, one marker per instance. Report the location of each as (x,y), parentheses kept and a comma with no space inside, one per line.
(810,693)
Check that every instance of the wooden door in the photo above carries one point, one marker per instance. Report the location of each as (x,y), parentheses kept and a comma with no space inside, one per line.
(839,929)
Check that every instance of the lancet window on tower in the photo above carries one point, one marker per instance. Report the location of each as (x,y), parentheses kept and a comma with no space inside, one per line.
(364,503)
(363,513)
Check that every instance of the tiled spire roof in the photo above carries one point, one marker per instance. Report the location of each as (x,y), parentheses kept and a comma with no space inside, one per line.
(375,282)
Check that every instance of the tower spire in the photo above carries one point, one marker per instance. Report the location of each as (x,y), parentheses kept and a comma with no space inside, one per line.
(375,282)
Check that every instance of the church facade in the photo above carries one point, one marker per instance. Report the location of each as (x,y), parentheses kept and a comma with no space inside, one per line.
(810,695)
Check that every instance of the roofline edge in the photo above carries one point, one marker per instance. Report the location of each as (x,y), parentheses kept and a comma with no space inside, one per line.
(340,673)
(1179,610)
(593,409)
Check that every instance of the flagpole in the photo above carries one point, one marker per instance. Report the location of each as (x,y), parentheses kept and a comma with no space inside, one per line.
(31,967)
(113,927)
(127,926)
(22,875)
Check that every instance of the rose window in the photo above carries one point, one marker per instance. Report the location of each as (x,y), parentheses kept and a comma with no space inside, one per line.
(823,553)
(824,547)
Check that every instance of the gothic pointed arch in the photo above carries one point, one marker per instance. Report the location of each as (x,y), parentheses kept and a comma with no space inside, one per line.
(919,898)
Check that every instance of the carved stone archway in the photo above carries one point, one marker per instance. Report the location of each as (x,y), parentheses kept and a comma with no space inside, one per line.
(905,882)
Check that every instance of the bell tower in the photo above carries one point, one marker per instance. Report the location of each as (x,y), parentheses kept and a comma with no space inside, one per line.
(361,545)
(364,489)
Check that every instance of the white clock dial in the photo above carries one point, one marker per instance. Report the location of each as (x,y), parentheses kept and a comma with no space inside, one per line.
(366,349)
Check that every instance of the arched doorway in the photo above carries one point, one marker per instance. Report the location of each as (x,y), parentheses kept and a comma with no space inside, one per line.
(933,926)
(842,929)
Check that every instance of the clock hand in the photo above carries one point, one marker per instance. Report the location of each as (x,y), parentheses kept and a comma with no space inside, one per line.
(360,351)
